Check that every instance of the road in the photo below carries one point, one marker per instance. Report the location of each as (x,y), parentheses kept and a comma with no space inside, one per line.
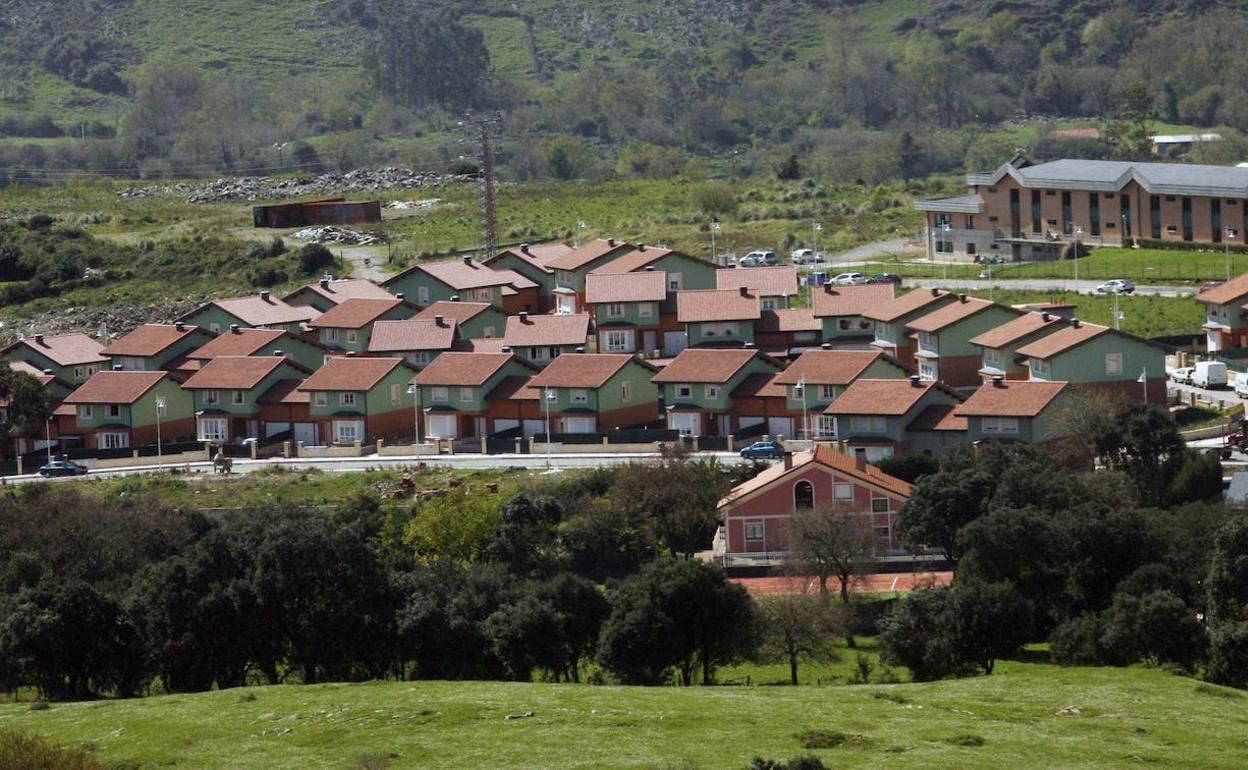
(1042,284)
(355,465)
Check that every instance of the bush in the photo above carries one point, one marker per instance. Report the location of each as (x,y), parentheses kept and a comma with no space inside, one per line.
(1228,654)
(1079,642)
(20,750)
(314,258)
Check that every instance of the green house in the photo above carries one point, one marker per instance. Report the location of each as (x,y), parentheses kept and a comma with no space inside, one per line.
(776,286)
(818,377)
(452,391)
(597,392)
(543,338)
(418,341)
(118,409)
(1016,410)
(226,394)
(358,399)
(844,312)
(697,388)
(466,279)
(473,320)
(626,309)
(999,345)
(1225,326)
(531,261)
(878,415)
(890,319)
(262,342)
(330,292)
(572,267)
(1089,355)
(348,326)
(263,311)
(152,347)
(718,318)
(684,272)
(944,350)
(74,357)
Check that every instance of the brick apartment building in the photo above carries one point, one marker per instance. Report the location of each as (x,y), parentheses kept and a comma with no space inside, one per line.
(1025,211)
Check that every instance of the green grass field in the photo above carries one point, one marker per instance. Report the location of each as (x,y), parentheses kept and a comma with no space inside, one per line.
(1027,715)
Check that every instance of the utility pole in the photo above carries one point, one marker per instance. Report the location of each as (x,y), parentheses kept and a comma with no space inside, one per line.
(489,212)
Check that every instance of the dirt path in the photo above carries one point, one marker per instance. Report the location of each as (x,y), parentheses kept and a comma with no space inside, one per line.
(366,261)
(870,251)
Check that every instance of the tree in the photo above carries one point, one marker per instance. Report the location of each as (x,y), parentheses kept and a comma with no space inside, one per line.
(526,539)
(1025,547)
(1130,130)
(1157,627)
(916,634)
(29,403)
(832,541)
(552,625)
(797,628)
(989,621)
(715,199)
(789,170)
(427,59)
(457,526)
(314,258)
(1198,479)
(1143,441)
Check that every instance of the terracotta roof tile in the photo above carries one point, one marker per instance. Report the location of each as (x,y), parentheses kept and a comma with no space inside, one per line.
(759,385)
(827,457)
(883,397)
(589,252)
(951,313)
(237,342)
(463,369)
(513,388)
(766,281)
(412,334)
(1226,293)
(634,260)
(546,330)
(234,372)
(259,311)
(788,320)
(64,349)
(536,254)
(285,392)
(115,387)
(463,274)
(907,304)
(831,367)
(350,373)
(1020,328)
(356,313)
(626,287)
(149,339)
(708,365)
(455,311)
(938,417)
(481,345)
(21,366)
(1062,340)
(338,290)
(1011,398)
(717,305)
(581,370)
(831,301)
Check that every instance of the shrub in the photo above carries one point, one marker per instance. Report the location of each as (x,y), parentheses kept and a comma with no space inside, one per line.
(20,750)
(1079,642)
(314,258)
(1228,654)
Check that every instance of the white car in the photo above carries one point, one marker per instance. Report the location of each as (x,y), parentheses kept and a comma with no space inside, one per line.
(807,257)
(761,258)
(1116,286)
(849,279)
(1182,375)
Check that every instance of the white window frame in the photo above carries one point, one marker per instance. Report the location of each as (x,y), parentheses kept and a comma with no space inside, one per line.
(331,335)
(354,434)
(564,277)
(578,396)
(439,393)
(1113,364)
(353,336)
(928,370)
(238,397)
(617,340)
(992,356)
(320,398)
(827,392)
(113,440)
(467,395)
(626,391)
(1040,369)
(929,341)
(825,426)
(394,394)
(215,328)
(868,423)
(999,425)
(842,491)
(675,281)
(219,429)
(112,411)
(645,310)
(85,411)
(768,303)
(615,309)
(755,530)
(488,332)
(346,398)
(683,390)
(211,397)
(422,295)
(711,391)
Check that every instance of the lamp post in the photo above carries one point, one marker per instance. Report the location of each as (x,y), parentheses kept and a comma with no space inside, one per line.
(580,225)
(800,387)
(160,412)
(1077,232)
(816,228)
(715,225)
(1124,230)
(945,229)
(1230,233)
(548,396)
(1144,381)
(47,424)
(414,391)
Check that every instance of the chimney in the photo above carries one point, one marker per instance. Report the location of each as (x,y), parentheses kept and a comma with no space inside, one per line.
(748,345)
(116,367)
(279,353)
(649,268)
(788,461)
(48,371)
(506,348)
(961,298)
(1074,322)
(829,289)
(580,349)
(350,354)
(745,291)
(234,329)
(439,320)
(916,381)
(454,298)
(179,326)
(524,317)
(998,381)
(524,247)
(264,295)
(38,339)
(860,458)
(610,241)
(400,296)
(825,346)
(1045,315)
(935,292)
(468,260)
(325,283)
(641,247)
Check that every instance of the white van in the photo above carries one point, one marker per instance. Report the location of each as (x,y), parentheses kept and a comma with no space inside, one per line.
(1209,374)
(1241,384)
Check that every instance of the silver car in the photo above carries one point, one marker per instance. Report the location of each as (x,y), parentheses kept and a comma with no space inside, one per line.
(849,279)
(807,257)
(1116,286)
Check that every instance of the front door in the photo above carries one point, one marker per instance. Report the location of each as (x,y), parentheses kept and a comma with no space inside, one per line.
(649,342)
(674,342)
(688,423)
(305,432)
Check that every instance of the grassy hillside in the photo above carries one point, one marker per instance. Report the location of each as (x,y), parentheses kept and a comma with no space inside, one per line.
(1027,715)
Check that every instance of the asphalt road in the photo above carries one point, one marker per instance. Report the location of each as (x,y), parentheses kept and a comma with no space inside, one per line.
(1043,284)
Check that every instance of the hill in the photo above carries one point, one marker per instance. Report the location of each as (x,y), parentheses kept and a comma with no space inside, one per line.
(1026,715)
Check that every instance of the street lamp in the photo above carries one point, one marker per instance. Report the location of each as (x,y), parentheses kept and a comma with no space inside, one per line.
(945,229)
(1077,232)
(801,389)
(1124,230)
(715,225)
(816,228)
(1230,233)
(549,395)
(414,391)
(580,225)
(161,403)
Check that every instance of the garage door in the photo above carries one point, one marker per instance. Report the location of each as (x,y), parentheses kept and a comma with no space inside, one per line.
(579,424)
(534,427)
(674,342)
(780,426)
(502,425)
(305,432)
(688,423)
(440,426)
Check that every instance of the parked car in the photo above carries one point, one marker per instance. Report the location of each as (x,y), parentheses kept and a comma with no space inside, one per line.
(1209,374)
(1116,286)
(892,278)
(759,258)
(763,450)
(849,279)
(807,257)
(1241,384)
(1207,285)
(1182,375)
(62,468)
(817,278)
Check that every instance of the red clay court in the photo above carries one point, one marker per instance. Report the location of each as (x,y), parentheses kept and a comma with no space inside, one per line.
(883,583)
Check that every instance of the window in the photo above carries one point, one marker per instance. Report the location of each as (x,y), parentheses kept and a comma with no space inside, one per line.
(132,364)
(617,341)
(112,410)
(85,411)
(675,281)
(929,371)
(879,504)
(827,392)
(999,424)
(439,394)
(1050,192)
(844,324)
(944,219)
(803,495)
(1039,369)
(395,394)
(563,276)
(868,423)
(114,440)
(615,309)
(348,431)
(825,426)
(353,336)
(645,310)
(346,399)
(488,332)
(466,395)
(237,398)
(944,247)
(754,530)
(579,396)
(484,294)
(970,222)
(212,429)
(537,354)
(212,397)
(1170,199)
(214,328)
(684,391)
(419,358)
(78,372)
(843,491)
(331,335)
(320,398)
(422,295)
(1113,363)
(928,341)
(711,391)
(970,248)
(992,356)
(626,391)
(768,303)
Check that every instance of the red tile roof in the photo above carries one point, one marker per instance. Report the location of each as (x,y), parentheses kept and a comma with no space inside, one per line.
(64,349)
(285,392)
(831,367)
(259,311)
(149,340)
(952,313)
(115,387)
(237,342)
(716,305)
(759,385)
(350,373)
(467,274)
(463,369)
(412,334)
(546,330)
(827,457)
(455,311)
(513,388)
(831,301)
(536,255)
(767,281)
(356,313)
(1062,340)
(626,287)
(481,345)
(1226,293)
(788,320)
(581,370)
(337,290)
(938,417)
(589,252)
(708,365)
(234,372)
(21,366)
(883,397)
(1013,331)
(1011,398)
(907,304)
(634,260)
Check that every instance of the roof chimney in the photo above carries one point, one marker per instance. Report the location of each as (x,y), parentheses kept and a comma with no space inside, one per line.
(961,298)
(506,348)
(48,371)
(829,288)
(264,295)
(998,381)
(279,353)
(935,292)
(788,461)
(524,316)
(350,354)
(745,291)
(860,458)
(400,296)
(440,320)
(916,381)
(649,268)
(825,346)
(748,345)
(524,247)
(641,247)
(1045,315)
(325,283)
(38,339)
(468,260)
(234,329)
(454,298)
(1074,322)
(580,349)
(610,241)
(116,367)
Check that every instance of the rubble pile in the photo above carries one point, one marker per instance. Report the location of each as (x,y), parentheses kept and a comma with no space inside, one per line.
(112,321)
(336,234)
(255,188)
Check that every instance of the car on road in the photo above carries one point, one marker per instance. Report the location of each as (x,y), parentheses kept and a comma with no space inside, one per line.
(1116,286)
(1241,384)
(1182,375)
(1207,285)
(807,257)
(1209,374)
(849,279)
(62,468)
(759,258)
(892,278)
(763,450)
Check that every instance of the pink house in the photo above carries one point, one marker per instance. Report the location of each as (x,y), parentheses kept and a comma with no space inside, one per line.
(755,515)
